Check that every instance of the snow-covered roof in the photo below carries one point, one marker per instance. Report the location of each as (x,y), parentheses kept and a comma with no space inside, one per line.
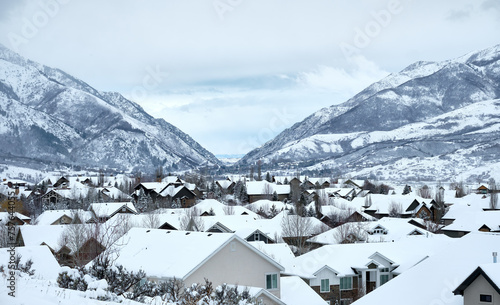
(224,183)
(280,252)
(264,187)
(113,192)
(168,254)
(221,209)
(44,263)
(441,273)
(48,217)
(154,186)
(318,180)
(294,291)
(266,205)
(473,221)
(392,229)
(171,179)
(405,253)
(467,204)
(382,204)
(108,209)
(43,234)
(172,190)
(145,220)
(5,217)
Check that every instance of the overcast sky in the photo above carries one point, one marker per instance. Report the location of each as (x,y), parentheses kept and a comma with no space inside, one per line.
(234,73)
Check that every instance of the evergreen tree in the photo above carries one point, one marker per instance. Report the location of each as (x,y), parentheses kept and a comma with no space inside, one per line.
(268,177)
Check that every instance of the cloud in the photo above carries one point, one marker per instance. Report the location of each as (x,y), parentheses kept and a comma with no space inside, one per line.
(9,8)
(361,74)
(460,14)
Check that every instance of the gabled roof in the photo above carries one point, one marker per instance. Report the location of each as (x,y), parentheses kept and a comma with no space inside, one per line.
(347,258)
(473,221)
(454,260)
(394,229)
(48,217)
(491,272)
(108,209)
(220,209)
(261,187)
(5,217)
(153,186)
(294,291)
(168,254)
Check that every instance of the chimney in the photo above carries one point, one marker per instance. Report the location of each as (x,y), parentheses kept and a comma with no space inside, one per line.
(494,257)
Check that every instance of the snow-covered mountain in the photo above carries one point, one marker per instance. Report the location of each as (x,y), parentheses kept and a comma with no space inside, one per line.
(426,114)
(50,117)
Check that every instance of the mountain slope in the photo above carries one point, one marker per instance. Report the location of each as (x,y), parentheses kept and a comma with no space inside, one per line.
(396,118)
(50,116)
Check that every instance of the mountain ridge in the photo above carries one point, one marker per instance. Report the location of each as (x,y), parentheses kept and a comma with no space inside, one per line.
(418,93)
(82,125)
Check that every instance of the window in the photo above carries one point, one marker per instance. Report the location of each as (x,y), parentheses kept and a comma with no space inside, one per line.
(325,285)
(486,298)
(384,278)
(272,281)
(256,236)
(345,283)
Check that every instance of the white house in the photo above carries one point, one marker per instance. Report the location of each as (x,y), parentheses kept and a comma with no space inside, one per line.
(196,256)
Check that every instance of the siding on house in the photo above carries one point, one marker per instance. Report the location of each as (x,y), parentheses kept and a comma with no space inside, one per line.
(236,264)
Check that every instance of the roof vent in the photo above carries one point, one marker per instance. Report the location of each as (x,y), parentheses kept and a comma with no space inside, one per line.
(168,232)
(187,233)
(494,257)
(148,231)
(210,234)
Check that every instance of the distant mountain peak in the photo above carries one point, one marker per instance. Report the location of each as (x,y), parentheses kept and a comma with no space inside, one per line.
(340,138)
(50,117)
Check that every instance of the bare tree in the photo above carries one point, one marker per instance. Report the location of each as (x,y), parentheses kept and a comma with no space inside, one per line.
(351,232)
(493,194)
(425,192)
(192,221)
(460,190)
(228,209)
(432,226)
(151,220)
(267,191)
(296,230)
(368,201)
(395,209)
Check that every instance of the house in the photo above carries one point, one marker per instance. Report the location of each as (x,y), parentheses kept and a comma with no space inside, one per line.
(180,194)
(441,272)
(482,286)
(212,207)
(16,219)
(405,206)
(104,211)
(45,266)
(482,189)
(64,193)
(474,221)
(76,252)
(386,229)
(195,256)
(345,273)
(321,183)
(171,189)
(259,190)
(225,186)
(61,217)
(245,226)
